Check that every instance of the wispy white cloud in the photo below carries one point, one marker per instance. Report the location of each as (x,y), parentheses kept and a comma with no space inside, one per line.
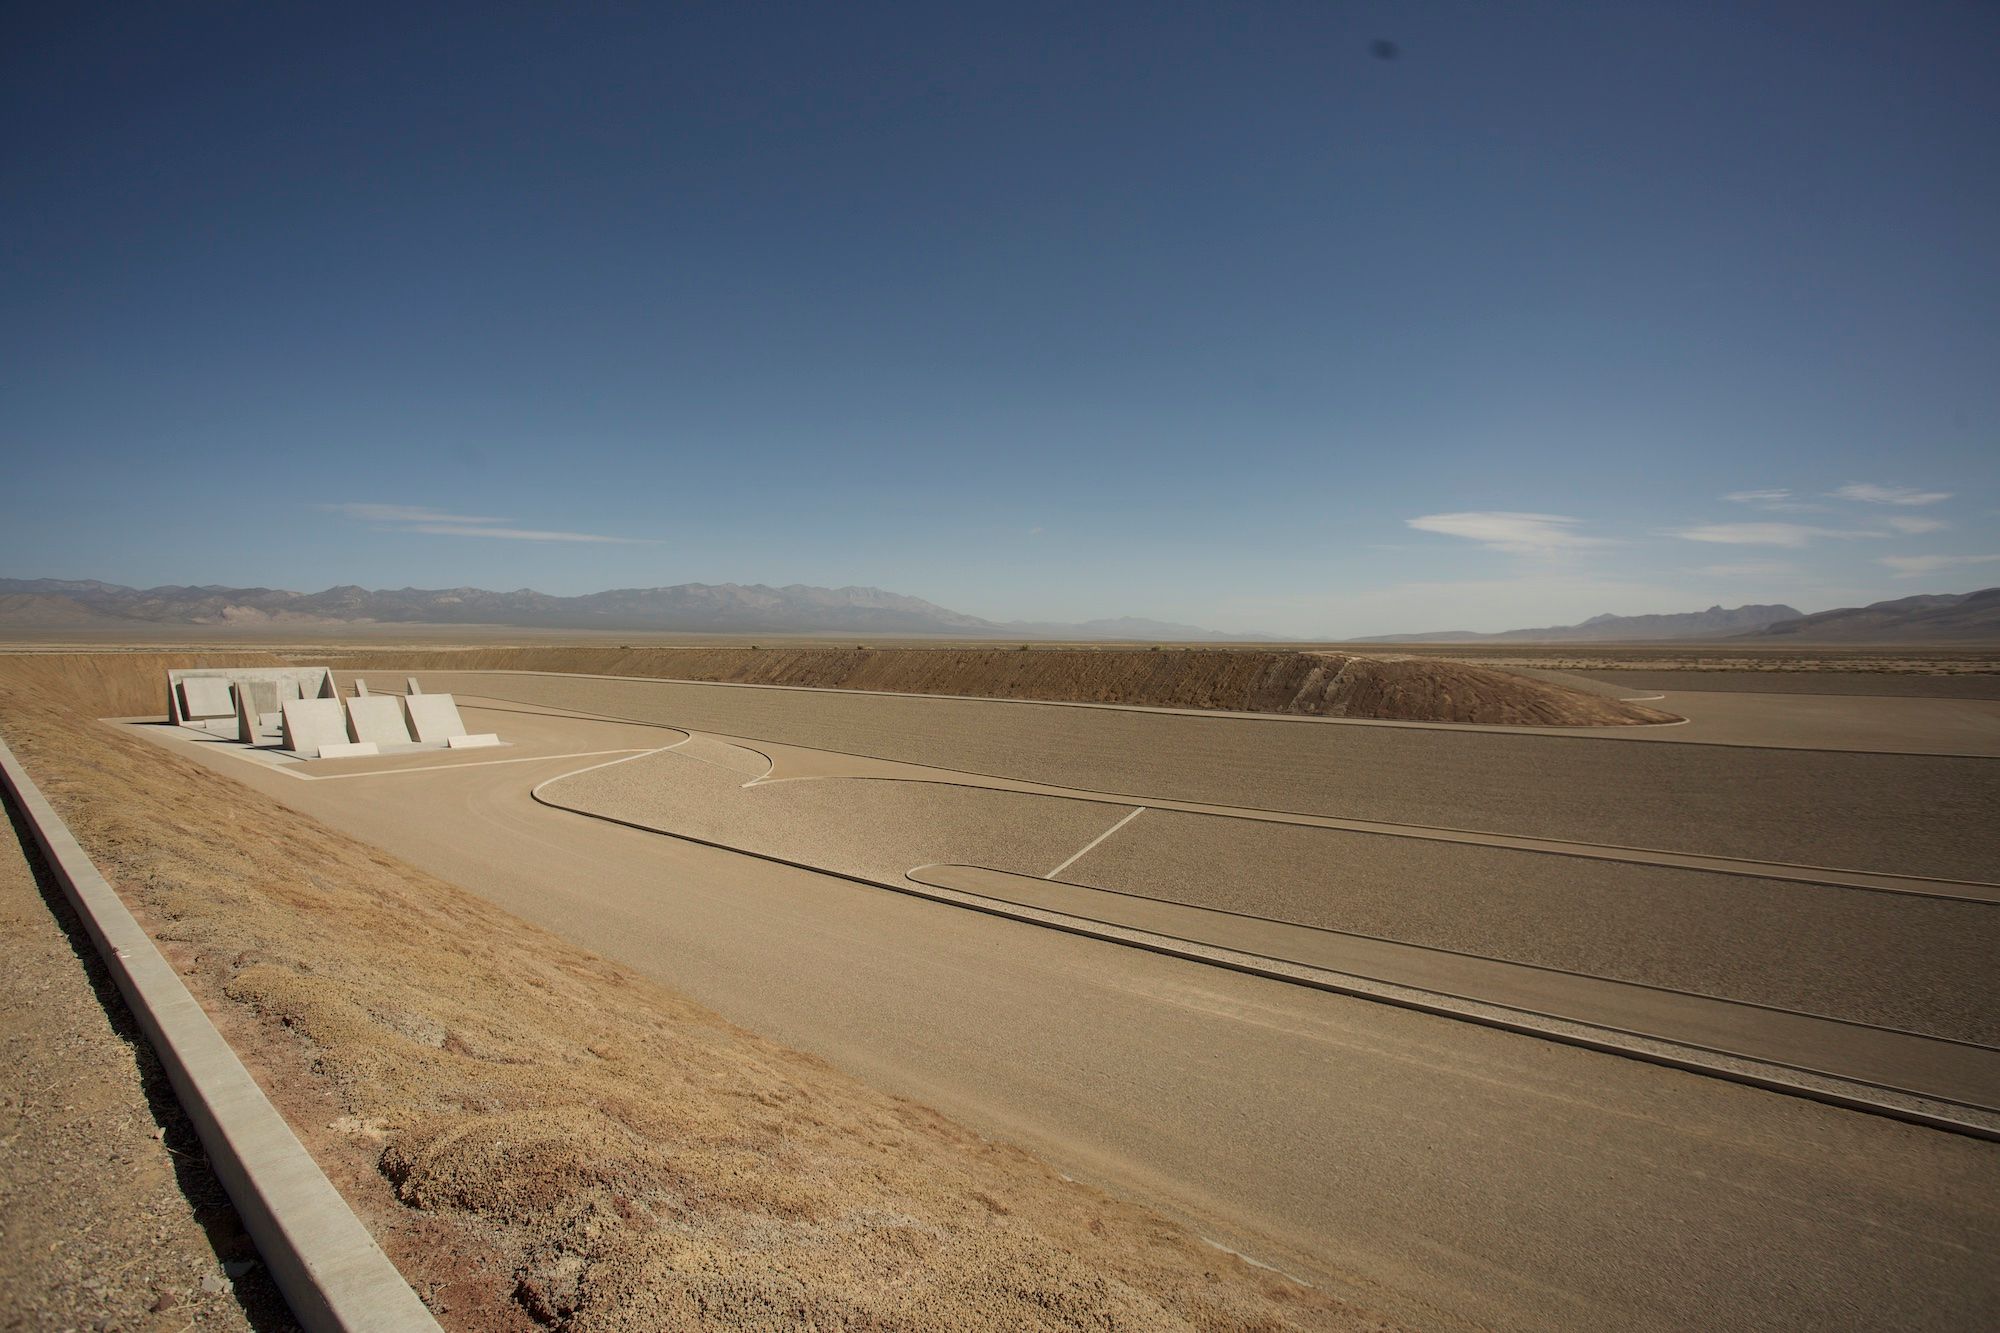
(1913,525)
(1870,493)
(439,523)
(1518,534)
(378,513)
(520,534)
(1916,566)
(1750,569)
(1777,500)
(1765,534)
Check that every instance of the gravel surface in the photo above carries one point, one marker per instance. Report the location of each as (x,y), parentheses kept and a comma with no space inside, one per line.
(1875,683)
(858,827)
(1922,964)
(109,1215)
(1903,814)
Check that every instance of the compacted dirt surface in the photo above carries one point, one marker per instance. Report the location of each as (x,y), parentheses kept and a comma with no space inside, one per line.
(542,1138)
(1317,684)
(109,1215)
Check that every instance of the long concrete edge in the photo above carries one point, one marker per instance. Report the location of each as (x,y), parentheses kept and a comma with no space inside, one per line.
(330,1270)
(1830,1090)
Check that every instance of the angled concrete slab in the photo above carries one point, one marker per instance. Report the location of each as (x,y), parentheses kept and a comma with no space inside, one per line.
(377,718)
(206,696)
(473,742)
(311,723)
(411,683)
(248,720)
(433,717)
(349,750)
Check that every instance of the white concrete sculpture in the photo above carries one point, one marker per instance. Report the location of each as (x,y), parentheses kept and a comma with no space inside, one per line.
(360,688)
(310,724)
(270,687)
(411,682)
(349,750)
(473,742)
(377,718)
(433,717)
(205,697)
(247,717)
(263,694)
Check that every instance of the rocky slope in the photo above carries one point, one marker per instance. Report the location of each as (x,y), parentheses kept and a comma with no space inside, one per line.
(1715,623)
(1929,618)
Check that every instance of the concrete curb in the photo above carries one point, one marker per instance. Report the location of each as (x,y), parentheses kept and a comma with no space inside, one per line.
(330,1270)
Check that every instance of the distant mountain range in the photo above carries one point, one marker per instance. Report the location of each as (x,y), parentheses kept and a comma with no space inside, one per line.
(693,608)
(1930,618)
(733,608)
(1922,619)
(1714,623)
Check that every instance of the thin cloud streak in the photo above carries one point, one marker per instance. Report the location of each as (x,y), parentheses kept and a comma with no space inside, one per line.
(1869,493)
(1504,530)
(521,534)
(439,523)
(1750,569)
(1916,566)
(1765,534)
(380,513)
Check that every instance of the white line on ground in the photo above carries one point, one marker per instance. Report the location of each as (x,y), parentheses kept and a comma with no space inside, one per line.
(535,791)
(435,768)
(1094,841)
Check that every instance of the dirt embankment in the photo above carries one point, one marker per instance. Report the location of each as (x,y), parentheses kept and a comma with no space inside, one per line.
(1318,684)
(542,1138)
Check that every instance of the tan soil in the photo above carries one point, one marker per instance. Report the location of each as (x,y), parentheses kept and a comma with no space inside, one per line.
(540,1137)
(1319,684)
(109,1214)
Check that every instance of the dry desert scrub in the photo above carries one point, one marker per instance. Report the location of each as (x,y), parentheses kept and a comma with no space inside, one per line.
(541,1137)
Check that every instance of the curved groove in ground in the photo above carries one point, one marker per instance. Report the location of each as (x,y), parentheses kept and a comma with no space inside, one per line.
(1836,877)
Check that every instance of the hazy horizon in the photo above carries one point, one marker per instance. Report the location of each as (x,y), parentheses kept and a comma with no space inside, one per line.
(1229,317)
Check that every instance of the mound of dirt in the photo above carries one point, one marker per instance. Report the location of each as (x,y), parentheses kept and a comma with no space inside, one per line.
(1317,684)
(540,1137)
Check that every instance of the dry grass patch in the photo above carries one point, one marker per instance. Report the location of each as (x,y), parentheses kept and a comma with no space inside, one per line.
(541,1137)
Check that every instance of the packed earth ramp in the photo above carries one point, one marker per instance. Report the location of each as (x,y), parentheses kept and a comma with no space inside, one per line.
(1303,683)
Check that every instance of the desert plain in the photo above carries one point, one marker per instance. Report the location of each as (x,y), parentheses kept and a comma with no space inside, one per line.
(926,985)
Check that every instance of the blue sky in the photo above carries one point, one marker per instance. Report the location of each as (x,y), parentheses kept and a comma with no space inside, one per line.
(1208,313)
